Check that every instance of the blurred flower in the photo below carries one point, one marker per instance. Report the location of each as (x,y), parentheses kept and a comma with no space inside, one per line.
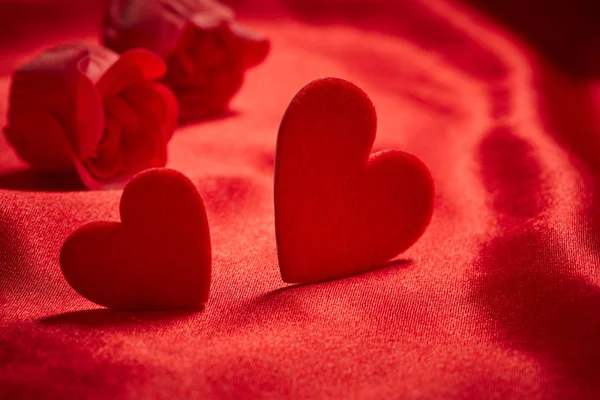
(85,107)
(206,51)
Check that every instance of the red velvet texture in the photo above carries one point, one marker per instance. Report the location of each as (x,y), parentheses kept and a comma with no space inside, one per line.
(338,209)
(500,298)
(157,258)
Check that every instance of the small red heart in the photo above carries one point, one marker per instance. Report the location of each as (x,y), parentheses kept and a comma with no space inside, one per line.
(338,209)
(158,257)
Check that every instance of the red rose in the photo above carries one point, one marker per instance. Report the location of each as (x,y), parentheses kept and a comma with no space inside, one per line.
(85,107)
(206,52)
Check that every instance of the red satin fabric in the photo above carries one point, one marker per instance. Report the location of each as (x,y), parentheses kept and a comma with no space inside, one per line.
(499,299)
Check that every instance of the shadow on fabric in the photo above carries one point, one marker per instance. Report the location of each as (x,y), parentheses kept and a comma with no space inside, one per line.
(30,180)
(524,279)
(387,267)
(537,305)
(33,354)
(306,303)
(568,33)
(571,118)
(213,118)
(104,318)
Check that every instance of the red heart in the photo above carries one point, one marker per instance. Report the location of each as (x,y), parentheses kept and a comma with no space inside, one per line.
(158,257)
(338,209)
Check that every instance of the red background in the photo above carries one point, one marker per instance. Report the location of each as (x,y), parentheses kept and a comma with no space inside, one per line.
(499,299)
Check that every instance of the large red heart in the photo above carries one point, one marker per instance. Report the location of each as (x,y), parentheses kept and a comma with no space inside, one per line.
(158,257)
(339,210)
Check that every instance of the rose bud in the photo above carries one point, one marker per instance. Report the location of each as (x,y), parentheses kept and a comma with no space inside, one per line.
(206,51)
(84,107)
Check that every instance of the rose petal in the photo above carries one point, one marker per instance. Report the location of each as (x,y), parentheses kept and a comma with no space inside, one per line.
(138,23)
(205,47)
(151,65)
(149,152)
(181,73)
(212,99)
(139,144)
(96,62)
(155,25)
(155,101)
(138,115)
(110,147)
(146,146)
(118,109)
(132,67)
(89,118)
(108,161)
(147,103)
(186,8)
(182,64)
(208,46)
(208,21)
(38,137)
(253,47)
(94,183)
(54,82)
(171,110)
